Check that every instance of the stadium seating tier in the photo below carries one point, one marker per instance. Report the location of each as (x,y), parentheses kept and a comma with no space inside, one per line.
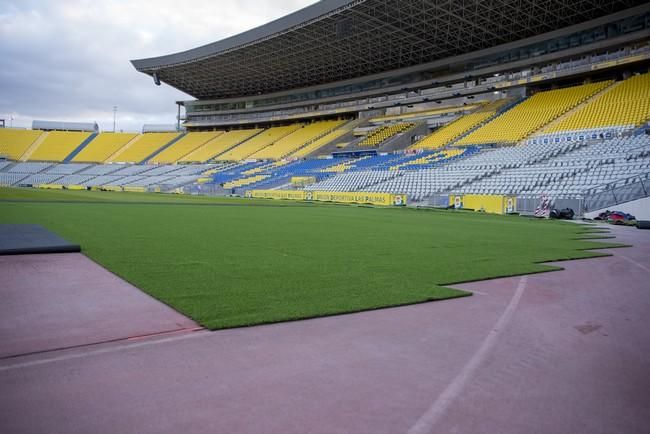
(257,143)
(218,145)
(625,104)
(14,142)
(296,140)
(448,133)
(58,145)
(532,114)
(142,147)
(184,146)
(103,146)
(379,135)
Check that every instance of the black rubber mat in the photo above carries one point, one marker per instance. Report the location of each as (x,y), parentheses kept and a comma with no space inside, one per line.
(30,239)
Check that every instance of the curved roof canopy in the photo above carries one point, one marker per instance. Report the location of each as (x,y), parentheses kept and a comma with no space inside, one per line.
(335,40)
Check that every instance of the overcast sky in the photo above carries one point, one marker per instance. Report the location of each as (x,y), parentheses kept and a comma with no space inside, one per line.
(69,59)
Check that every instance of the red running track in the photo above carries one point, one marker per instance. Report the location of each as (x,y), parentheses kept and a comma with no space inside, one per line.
(563,352)
(56,301)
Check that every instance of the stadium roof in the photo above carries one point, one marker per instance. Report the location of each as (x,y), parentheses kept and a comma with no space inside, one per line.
(335,40)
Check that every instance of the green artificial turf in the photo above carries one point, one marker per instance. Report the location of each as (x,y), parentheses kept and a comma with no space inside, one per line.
(229,266)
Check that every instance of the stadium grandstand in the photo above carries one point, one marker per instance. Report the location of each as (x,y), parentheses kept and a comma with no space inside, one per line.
(554,102)
(307,248)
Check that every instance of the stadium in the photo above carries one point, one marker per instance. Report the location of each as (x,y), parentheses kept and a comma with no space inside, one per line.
(348,229)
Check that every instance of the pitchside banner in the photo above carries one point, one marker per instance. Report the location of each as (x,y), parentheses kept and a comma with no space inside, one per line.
(277,194)
(495,204)
(380,199)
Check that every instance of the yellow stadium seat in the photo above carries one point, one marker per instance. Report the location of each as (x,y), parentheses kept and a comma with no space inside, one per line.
(383,133)
(343,167)
(429,159)
(448,133)
(532,114)
(218,145)
(58,145)
(102,147)
(245,181)
(295,140)
(142,147)
(14,142)
(257,143)
(326,139)
(625,104)
(184,146)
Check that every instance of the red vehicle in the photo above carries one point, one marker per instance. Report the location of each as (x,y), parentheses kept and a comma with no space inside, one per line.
(621,218)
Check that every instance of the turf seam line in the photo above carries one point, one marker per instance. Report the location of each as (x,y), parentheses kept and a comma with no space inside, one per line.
(93,344)
(124,347)
(428,420)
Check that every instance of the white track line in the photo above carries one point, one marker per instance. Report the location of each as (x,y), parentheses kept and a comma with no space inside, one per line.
(429,419)
(112,349)
(632,261)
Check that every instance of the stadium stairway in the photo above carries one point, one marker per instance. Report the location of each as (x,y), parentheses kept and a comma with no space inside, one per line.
(80,147)
(332,146)
(297,151)
(397,141)
(162,148)
(405,139)
(34,146)
(318,143)
(383,136)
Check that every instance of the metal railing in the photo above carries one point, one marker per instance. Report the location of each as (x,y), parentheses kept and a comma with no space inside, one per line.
(621,191)
(526,205)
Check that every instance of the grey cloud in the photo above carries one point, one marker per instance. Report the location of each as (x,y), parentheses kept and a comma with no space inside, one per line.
(69,60)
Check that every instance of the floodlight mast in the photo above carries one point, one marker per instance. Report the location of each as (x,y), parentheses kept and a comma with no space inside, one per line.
(114,116)
(178,116)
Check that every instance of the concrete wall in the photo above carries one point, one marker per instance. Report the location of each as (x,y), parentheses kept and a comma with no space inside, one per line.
(639,208)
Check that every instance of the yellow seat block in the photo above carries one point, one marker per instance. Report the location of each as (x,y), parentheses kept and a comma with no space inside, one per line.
(58,145)
(14,142)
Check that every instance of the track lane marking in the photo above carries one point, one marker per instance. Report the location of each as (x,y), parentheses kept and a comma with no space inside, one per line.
(632,261)
(428,420)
